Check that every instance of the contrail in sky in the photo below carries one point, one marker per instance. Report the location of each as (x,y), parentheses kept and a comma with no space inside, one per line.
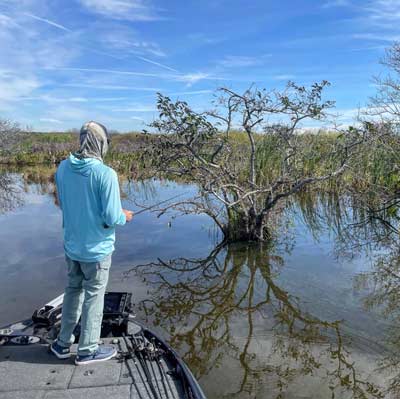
(56,25)
(47,21)
(157,63)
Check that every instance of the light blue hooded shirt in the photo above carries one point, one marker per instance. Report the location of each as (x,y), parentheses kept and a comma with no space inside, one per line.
(89,196)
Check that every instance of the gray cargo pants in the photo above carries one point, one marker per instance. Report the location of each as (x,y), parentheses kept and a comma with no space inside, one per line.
(84,298)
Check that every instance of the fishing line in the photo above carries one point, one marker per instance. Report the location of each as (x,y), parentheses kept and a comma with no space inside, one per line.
(151,207)
(158,204)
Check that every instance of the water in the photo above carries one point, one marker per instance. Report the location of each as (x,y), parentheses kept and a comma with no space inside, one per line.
(251,321)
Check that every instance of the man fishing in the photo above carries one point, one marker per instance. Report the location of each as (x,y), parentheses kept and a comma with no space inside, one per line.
(89,197)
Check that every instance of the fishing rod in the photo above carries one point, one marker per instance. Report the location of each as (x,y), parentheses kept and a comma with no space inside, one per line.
(158,204)
(152,206)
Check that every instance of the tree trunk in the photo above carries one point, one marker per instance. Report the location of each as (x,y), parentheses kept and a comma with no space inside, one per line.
(247,228)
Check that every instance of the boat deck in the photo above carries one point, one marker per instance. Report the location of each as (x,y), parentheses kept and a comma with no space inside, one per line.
(31,372)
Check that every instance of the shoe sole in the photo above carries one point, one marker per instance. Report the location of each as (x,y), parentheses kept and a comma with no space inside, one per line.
(66,356)
(82,363)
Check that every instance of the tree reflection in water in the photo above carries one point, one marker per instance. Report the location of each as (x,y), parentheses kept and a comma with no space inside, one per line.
(10,192)
(384,282)
(200,301)
(361,226)
(15,183)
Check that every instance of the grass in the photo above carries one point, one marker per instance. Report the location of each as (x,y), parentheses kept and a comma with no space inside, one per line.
(376,164)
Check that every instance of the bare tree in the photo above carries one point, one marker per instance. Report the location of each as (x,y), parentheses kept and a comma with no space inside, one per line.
(10,135)
(386,103)
(379,160)
(243,176)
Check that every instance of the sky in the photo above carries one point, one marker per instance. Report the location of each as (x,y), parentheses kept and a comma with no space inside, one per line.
(63,62)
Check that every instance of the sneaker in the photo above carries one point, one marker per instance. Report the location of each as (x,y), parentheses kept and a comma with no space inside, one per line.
(103,353)
(61,352)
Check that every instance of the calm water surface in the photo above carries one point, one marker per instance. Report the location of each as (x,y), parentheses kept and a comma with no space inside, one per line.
(251,321)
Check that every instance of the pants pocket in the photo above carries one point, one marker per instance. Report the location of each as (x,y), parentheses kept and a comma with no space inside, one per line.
(104,264)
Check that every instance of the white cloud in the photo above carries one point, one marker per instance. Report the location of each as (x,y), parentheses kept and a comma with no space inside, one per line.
(13,87)
(115,38)
(238,61)
(369,48)
(383,12)
(66,112)
(311,129)
(111,71)
(77,100)
(189,78)
(110,87)
(336,3)
(381,36)
(378,16)
(50,120)
(192,78)
(138,108)
(352,115)
(51,99)
(6,21)
(108,99)
(348,115)
(24,51)
(378,19)
(203,39)
(284,77)
(125,41)
(189,93)
(132,10)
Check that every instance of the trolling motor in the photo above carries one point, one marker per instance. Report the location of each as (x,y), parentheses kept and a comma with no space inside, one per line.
(117,307)
(49,314)
(45,322)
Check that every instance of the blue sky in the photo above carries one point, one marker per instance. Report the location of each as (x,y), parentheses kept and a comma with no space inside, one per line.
(64,62)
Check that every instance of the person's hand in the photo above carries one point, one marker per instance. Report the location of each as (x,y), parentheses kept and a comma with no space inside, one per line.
(128,215)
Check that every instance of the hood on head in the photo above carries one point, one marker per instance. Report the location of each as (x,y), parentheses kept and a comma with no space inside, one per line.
(94,141)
